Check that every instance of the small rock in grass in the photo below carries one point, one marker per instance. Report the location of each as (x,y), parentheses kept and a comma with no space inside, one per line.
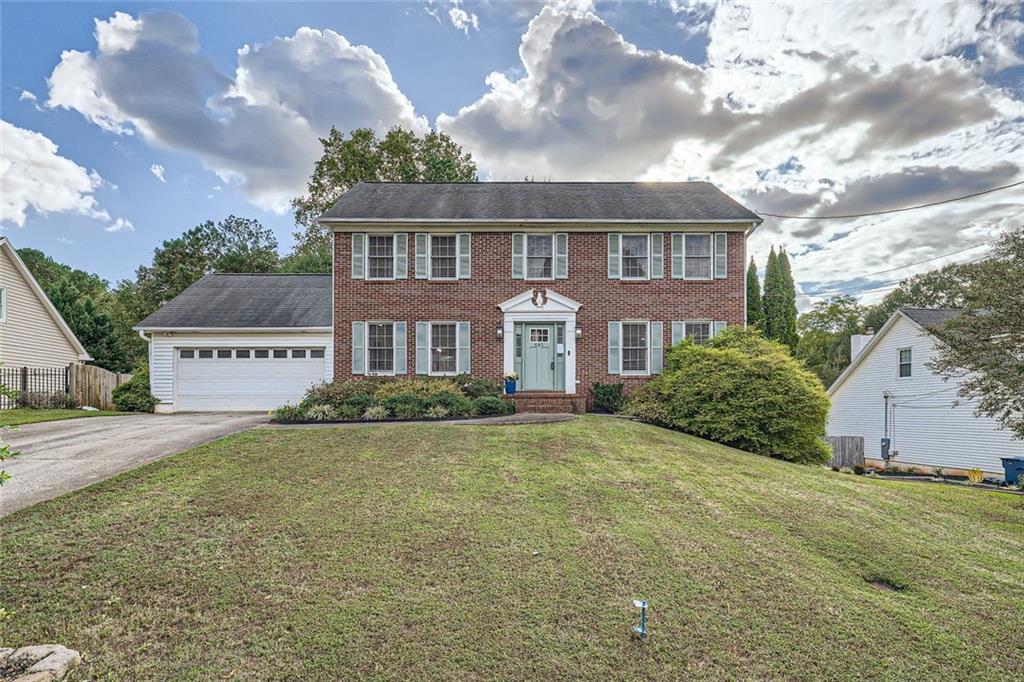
(59,662)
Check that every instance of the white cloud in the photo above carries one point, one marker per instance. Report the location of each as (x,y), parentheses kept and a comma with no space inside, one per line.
(65,240)
(26,95)
(35,176)
(463,19)
(258,127)
(120,225)
(158,171)
(804,108)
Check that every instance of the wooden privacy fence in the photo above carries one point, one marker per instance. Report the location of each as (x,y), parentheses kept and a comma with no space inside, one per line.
(847,451)
(94,386)
(53,387)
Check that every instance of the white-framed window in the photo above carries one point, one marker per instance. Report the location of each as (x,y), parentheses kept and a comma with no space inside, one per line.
(3,305)
(205,354)
(380,348)
(380,256)
(636,256)
(261,353)
(698,256)
(698,332)
(443,348)
(186,353)
(444,256)
(540,256)
(904,362)
(635,347)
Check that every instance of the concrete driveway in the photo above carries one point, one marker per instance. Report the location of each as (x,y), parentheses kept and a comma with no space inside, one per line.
(60,456)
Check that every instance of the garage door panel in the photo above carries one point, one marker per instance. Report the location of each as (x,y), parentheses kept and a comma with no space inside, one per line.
(215,384)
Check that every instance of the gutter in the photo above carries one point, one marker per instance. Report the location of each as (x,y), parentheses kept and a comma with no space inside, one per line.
(224,330)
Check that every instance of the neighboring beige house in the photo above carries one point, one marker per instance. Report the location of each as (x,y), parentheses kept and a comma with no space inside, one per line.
(32,332)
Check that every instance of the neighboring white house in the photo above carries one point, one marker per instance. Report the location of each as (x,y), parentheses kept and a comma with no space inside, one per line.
(925,429)
(240,342)
(32,332)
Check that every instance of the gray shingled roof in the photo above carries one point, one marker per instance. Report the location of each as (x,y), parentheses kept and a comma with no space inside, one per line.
(538,201)
(930,318)
(247,301)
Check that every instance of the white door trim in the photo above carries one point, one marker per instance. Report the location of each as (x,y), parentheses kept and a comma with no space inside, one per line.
(535,306)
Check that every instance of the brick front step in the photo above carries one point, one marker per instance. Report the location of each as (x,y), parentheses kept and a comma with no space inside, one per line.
(548,402)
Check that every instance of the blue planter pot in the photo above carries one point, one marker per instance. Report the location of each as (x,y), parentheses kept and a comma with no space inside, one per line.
(510,387)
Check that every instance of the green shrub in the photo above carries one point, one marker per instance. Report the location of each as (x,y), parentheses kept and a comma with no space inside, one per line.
(375,413)
(473,387)
(288,413)
(338,392)
(435,412)
(423,387)
(133,395)
(741,390)
(491,405)
(350,412)
(405,405)
(357,404)
(321,413)
(608,398)
(454,404)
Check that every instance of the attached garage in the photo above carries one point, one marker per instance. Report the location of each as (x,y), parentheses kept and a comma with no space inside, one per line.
(238,343)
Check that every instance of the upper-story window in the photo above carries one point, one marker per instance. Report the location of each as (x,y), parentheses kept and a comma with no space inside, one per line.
(379,256)
(905,365)
(700,256)
(540,255)
(635,256)
(444,256)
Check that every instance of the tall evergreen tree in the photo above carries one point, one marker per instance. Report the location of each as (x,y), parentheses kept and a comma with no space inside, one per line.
(772,300)
(755,307)
(787,333)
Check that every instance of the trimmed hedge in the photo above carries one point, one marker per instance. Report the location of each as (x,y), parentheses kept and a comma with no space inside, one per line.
(741,390)
(133,395)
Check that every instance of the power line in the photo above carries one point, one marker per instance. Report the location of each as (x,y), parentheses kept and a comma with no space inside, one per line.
(894,210)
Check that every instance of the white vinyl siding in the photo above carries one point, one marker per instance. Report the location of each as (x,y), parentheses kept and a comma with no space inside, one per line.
(929,431)
(29,335)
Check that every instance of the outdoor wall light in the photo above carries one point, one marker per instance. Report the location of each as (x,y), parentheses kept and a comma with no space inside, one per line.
(579,332)
(500,331)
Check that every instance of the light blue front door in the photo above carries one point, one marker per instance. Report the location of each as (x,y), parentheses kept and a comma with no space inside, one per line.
(539,357)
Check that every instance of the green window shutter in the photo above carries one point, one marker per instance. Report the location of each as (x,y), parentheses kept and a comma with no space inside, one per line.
(358,348)
(401,255)
(358,256)
(462,364)
(518,248)
(657,255)
(465,249)
(401,357)
(423,348)
(657,347)
(721,257)
(614,347)
(614,257)
(678,330)
(719,328)
(561,255)
(677,255)
(422,259)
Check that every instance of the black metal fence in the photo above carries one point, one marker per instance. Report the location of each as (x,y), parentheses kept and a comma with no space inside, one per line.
(34,387)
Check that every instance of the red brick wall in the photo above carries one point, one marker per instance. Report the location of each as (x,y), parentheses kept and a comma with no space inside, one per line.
(477,299)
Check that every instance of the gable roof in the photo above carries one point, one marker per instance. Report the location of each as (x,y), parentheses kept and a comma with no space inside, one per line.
(927,319)
(248,301)
(19,265)
(630,202)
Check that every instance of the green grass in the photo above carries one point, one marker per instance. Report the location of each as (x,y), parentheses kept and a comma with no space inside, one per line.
(19,416)
(481,552)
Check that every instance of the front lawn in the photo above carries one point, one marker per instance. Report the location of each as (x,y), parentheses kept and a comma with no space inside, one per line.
(483,552)
(20,416)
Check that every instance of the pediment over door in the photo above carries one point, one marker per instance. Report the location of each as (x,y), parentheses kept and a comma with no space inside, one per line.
(538,301)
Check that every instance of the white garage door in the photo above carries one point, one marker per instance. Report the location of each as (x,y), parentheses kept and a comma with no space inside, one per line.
(241,379)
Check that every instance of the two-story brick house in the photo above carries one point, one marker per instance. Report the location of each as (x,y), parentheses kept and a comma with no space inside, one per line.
(565,284)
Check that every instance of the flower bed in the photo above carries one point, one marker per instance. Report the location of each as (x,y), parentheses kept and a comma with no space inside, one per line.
(419,399)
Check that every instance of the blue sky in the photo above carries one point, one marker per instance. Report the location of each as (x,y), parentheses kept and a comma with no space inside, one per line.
(801,109)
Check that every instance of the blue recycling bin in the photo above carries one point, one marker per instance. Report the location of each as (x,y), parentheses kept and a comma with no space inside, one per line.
(1013,469)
